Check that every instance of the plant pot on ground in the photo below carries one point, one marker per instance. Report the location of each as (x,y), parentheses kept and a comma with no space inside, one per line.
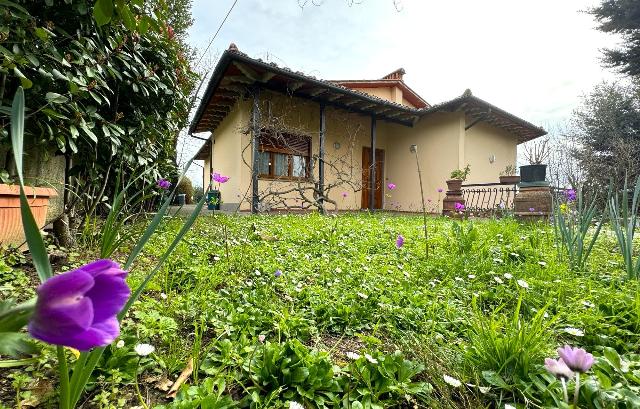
(213,199)
(11,230)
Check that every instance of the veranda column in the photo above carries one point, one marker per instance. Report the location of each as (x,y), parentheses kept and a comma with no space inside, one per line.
(255,141)
(321,159)
(372,170)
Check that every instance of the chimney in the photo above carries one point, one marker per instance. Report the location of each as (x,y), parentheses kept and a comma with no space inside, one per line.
(396,75)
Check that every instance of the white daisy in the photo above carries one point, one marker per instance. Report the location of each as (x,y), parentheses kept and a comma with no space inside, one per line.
(163,296)
(452,381)
(498,279)
(371,359)
(120,344)
(144,349)
(588,304)
(508,276)
(471,276)
(352,355)
(295,405)
(542,263)
(458,279)
(523,284)
(362,295)
(574,331)
(509,406)
(498,260)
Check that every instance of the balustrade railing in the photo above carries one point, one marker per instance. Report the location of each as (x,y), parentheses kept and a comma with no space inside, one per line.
(489,197)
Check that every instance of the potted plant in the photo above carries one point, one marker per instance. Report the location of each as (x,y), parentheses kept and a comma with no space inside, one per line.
(457,177)
(214,197)
(536,153)
(508,176)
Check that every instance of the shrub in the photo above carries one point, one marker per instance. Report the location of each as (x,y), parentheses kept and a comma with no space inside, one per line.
(186,187)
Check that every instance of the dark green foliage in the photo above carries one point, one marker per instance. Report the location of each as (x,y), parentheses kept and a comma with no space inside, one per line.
(186,187)
(106,86)
(607,127)
(621,17)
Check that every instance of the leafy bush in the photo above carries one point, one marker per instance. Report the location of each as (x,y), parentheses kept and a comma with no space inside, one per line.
(461,174)
(186,187)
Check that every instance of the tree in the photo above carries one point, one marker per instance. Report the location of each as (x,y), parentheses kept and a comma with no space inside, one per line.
(107,86)
(621,17)
(607,129)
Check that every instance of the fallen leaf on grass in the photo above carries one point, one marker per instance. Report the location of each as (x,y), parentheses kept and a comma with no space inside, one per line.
(186,372)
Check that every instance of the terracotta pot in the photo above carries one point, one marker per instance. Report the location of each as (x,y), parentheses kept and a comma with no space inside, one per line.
(509,180)
(454,185)
(11,230)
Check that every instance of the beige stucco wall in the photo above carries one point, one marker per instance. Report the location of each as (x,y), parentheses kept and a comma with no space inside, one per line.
(437,137)
(483,141)
(443,145)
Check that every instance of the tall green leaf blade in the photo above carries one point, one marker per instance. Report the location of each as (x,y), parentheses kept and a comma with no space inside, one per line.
(31,229)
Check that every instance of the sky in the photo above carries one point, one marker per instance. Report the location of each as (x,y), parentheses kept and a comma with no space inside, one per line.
(534,59)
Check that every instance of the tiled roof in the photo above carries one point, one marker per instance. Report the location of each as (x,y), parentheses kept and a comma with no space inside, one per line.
(236,73)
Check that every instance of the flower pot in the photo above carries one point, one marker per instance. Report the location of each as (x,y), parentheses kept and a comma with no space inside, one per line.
(533,173)
(509,180)
(11,230)
(454,185)
(214,198)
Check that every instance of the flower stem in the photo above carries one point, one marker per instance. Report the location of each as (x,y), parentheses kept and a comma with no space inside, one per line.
(63,371)
(576,393)
(564,390)
(135,379)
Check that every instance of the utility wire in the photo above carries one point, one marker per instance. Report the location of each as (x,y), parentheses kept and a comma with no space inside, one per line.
(216,34)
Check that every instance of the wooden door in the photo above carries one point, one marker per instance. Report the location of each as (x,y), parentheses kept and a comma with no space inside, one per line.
(366,170)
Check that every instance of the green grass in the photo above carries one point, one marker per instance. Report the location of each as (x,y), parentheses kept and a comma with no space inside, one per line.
(346,288)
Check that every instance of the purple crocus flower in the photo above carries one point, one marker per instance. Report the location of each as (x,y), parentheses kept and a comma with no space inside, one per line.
(558,368)
(344,194)
(577,359)
(570,195)
(459,207)
(278,273)
(399,241)
(440,190)
(391,186)
(219,178)
(532,209)
(79,308)
(163,184)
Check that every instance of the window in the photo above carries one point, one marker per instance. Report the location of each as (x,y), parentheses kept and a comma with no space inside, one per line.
(283,155)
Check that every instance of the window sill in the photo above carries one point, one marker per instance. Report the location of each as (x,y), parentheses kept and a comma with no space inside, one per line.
(284,179)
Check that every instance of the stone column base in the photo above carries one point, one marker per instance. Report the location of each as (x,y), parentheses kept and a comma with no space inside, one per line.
(533,203)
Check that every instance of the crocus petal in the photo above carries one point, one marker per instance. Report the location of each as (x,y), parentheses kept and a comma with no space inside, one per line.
(103,266)
(72,284)
(68,316)
(99,335)
(108,296)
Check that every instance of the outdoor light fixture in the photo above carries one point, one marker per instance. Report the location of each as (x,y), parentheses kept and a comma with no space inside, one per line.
(413,148)
(336,145)
(492,158)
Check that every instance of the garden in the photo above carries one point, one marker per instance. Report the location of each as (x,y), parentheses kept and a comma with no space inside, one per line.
(347,311)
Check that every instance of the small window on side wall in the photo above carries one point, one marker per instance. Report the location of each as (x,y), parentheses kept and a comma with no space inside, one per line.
(283,155)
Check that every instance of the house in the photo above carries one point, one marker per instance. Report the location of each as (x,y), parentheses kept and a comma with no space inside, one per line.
(290,141)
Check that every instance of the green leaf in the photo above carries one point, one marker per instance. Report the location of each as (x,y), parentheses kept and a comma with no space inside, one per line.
(103,11)
(15,344)
(89,132)
(125,14)
(31,229)
(55,98)
(494,379)
(26,82)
